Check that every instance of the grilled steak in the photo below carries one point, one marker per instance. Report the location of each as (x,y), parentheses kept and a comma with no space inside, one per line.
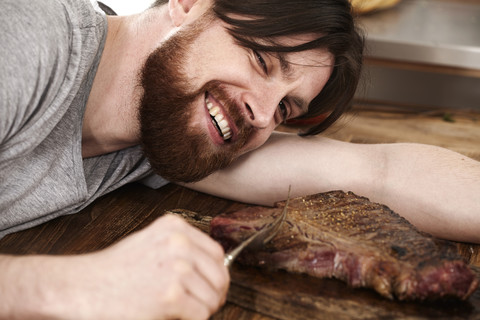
(365,244)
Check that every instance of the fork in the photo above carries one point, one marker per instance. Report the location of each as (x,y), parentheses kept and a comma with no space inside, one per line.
(260,238)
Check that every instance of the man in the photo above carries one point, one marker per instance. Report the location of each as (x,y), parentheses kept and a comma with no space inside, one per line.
(199,84)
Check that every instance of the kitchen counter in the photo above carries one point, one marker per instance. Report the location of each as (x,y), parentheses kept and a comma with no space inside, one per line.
(438,32)
(255,294)
(423,53)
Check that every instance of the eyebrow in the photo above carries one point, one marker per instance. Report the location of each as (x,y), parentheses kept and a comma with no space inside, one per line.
(287,72)
(285,66)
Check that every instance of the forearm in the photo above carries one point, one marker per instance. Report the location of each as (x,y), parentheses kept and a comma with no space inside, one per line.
(54,287)
(309,165)
(34,287)
(435,189)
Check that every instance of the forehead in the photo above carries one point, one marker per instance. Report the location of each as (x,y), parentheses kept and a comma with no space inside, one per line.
(312,57)
(317,60)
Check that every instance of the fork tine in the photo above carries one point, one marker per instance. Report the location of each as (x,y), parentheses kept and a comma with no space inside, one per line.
(278,222)
(259,238)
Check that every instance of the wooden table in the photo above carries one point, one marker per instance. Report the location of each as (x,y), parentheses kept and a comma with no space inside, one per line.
(255,294)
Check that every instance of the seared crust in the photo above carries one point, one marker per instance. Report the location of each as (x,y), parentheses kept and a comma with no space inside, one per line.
(365,244)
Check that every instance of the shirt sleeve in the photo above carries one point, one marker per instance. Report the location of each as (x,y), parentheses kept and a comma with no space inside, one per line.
(33,33)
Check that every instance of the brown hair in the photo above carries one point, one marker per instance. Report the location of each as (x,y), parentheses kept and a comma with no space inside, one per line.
(260,22)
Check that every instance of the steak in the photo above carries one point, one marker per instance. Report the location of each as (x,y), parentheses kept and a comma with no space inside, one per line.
(345,236)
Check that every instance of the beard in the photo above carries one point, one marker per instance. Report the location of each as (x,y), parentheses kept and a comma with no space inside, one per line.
(176,150)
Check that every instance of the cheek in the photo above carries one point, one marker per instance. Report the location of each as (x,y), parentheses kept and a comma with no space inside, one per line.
(214,67)
(214,56)
(197,112)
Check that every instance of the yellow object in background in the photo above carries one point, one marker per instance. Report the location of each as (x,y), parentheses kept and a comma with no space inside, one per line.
(364,6)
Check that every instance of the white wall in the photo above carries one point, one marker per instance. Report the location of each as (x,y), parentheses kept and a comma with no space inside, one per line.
(126,7)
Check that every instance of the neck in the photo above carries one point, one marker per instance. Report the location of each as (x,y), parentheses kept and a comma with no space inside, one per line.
(110,121)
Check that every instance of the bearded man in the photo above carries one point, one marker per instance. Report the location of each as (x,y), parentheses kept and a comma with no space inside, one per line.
(187,89)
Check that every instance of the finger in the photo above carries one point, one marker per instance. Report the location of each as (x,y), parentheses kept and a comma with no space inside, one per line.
(189,243)
(180,304)
(199,287)
(215,272)
(210,267)
(194,311)
(181,247)
(210,246)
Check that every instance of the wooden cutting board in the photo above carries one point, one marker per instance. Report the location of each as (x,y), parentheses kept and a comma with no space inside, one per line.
(287,296)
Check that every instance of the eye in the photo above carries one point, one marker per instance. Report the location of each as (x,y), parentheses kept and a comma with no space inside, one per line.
(260,61)
(282,107)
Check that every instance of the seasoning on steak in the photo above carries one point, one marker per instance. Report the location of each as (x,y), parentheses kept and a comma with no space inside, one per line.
(365,244)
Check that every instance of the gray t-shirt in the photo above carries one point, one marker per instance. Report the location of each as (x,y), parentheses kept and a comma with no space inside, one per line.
(49,53)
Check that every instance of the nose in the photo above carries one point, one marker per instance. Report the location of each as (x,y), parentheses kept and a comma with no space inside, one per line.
(261,107)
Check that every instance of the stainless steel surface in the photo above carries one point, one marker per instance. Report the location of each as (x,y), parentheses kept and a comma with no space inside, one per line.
(392,85)
(260,238)
(423,53)
(441,32)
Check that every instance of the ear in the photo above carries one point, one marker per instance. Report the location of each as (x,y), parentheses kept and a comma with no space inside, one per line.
(179,10)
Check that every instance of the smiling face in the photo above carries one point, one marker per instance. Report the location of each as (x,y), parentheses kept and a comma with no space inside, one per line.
(208,100)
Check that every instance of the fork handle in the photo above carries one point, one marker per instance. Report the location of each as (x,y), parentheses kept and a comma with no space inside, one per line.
(228,259)
(232,254)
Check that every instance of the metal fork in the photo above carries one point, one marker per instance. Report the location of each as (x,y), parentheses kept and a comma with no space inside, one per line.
(260,238)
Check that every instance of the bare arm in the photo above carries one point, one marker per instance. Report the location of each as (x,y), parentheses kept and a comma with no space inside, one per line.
(169,270)
(434,188)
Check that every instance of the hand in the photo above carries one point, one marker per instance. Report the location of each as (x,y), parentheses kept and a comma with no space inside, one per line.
(169,270)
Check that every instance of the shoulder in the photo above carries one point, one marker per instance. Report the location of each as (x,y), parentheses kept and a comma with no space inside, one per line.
(35,39)
(37,33)
(42,42)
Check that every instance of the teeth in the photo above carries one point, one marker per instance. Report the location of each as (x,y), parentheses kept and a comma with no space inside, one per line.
(209,104)
(223,124)
(214,111)
(219,121)
(219,117)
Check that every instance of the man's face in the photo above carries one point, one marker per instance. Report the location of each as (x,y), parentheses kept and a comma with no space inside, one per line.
(208,100)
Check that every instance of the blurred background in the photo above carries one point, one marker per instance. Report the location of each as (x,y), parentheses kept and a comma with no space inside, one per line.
(423,54)
(126,7)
